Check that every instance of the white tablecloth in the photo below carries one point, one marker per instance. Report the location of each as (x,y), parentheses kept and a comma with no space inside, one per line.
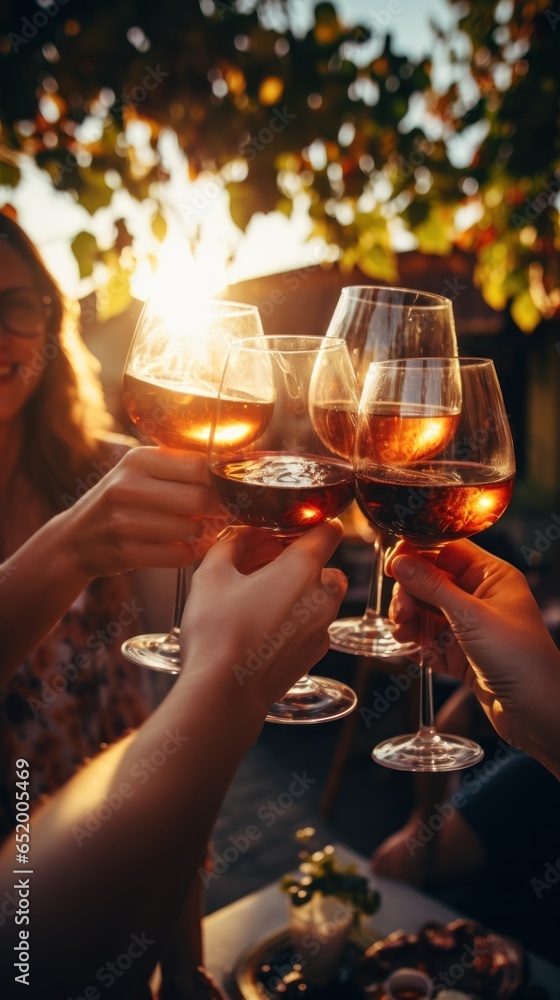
(228,932)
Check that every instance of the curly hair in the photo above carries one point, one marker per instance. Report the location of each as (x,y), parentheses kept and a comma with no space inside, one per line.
(66,415)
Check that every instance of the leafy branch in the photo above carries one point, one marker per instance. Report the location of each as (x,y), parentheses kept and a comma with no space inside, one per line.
(370,141)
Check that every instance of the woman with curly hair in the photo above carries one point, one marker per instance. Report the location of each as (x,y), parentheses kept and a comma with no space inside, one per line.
(66,602)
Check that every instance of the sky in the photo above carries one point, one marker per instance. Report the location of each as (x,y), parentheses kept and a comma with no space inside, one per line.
(52,220)
(407,20)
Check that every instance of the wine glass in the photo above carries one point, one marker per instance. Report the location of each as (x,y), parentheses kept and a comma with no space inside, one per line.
(170,384)
(299,396)
(378,324)
(461,487)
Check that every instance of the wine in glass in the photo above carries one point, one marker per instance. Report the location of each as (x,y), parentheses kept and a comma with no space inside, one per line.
(378,324)
(170,385)
(298,472)
(455,492)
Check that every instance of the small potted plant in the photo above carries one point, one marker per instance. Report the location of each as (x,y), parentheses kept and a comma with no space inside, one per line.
(325,902)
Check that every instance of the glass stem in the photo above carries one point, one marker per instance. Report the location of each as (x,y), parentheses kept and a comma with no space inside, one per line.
(179,605)
(305,683)
(375,591)
(427,727)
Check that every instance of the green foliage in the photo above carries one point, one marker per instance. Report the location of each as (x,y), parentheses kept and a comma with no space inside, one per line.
(159,226)
(9,175)
(309,116)
(84,248)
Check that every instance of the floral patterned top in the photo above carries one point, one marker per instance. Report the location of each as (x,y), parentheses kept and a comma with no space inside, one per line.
(74,695)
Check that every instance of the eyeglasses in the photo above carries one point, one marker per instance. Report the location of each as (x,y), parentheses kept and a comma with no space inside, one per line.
(23,312)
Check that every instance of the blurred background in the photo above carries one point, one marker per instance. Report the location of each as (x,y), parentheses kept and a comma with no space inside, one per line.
(272,151)
(279,149)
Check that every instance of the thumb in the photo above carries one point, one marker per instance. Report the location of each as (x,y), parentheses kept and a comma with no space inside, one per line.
(231,546)
(423,580)
(243,549)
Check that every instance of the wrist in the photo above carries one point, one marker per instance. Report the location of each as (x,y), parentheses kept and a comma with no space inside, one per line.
(222,699)
(66,538)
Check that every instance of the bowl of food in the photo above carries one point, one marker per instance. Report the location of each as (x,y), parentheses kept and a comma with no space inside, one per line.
(461,956)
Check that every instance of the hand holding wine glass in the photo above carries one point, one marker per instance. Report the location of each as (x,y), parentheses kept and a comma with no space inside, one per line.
(170,385)
(280,459)
(461,489)
(499,633)
(246,607)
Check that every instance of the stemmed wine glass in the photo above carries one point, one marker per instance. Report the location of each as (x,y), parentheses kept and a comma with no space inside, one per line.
(170,384)
(378,324)
(294,471)
(459,489)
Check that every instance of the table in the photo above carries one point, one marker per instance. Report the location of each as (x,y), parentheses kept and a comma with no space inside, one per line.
(229,931)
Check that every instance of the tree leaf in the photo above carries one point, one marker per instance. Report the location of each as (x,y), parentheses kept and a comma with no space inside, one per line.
(84,248)
(93,192)
(114,296)
(159,227)
(9,174)
(379,263)
(433,235)
(524,312)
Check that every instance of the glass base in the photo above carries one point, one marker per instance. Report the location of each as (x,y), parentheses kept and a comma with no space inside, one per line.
(158,651)
(429,751)
(312,700)
(368,636)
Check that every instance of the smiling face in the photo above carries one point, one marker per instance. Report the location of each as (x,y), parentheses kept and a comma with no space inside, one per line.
(20,357)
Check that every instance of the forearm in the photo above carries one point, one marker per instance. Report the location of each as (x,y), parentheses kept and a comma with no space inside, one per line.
(119,847)
(38,583)
(183,954)
(538,732)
